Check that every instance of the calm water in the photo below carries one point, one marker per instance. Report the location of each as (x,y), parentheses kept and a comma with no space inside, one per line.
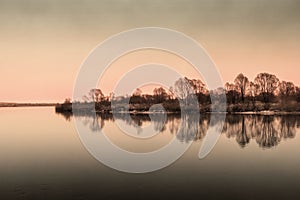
(42,158)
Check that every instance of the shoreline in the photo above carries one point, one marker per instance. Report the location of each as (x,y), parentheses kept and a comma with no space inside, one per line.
(230,113)
(266,112)
(67,108)
(13,105)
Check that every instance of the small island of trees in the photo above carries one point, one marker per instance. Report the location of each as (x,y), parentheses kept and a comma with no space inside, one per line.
(265,93)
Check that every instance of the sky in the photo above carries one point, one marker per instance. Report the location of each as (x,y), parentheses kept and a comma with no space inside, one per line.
(44,42)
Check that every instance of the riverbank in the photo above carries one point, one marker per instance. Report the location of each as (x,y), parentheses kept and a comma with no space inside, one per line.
(265,112)
(247,109)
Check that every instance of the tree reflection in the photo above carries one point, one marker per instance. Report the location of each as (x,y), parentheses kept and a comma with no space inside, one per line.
(243,136)
(287,126)
(188,128)
(94,122)
(158,121)
(266,130)
(269,136)
(203,126)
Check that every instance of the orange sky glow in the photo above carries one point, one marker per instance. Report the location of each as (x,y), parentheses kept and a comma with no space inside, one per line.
(42,45)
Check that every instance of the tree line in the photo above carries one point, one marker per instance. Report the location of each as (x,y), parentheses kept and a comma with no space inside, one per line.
(264,90)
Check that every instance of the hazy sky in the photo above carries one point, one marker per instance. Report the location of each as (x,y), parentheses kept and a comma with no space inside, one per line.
(44,42)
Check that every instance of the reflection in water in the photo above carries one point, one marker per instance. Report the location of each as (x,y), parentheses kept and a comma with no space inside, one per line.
(267,131)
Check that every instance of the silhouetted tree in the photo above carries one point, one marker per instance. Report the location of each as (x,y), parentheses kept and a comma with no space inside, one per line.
(200,90)
(242,83)
(137,98)
(67,101)
(267,84)
(160,95)
(182,89)
(231,93)
(94,95)
(253,92)
(198,86)
(297,94)
(286,89)
(185,92)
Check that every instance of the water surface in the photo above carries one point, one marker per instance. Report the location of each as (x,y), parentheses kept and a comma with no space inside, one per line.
(42,158)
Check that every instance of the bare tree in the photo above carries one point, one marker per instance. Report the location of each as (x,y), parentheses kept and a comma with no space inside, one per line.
(160,94)
(170,92)
(229,87)
(253,91)
(286,89)
(297,94)
(95,95)
(182,89)
(242,84)
(198,86)
(136,98)
(267,84)
(231,93)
